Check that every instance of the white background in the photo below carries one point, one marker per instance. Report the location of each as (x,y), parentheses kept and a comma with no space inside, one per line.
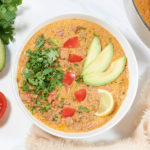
(14,126)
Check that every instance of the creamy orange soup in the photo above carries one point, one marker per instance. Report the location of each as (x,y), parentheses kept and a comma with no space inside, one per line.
(143,7)
(49,108)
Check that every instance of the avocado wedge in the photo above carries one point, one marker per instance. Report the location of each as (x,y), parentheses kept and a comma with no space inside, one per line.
(96,78)
(2,55)
(101,62)
(93,50)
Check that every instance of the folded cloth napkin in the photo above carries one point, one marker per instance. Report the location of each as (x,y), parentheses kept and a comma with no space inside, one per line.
(139,140)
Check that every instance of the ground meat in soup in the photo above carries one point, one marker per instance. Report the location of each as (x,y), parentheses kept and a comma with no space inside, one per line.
(51,104)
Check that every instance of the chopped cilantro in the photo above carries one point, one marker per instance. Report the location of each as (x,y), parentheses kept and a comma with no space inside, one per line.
(69,69)
(79,29)
(31,108)
(48,107)
(40,42)
(95,34)
(54,42)
(40,72)
(55,118)
(110,39)
(62,102)
(8,9)
(39,103)
(76,65)
(81,109)
(79,79)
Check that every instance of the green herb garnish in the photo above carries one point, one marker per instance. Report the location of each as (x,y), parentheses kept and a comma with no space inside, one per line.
(54,42)
(31,108)
(40,72)
(79,29)
(39,103)
(55,118)
(76,65)
(48,107)
(69,69)
(40,42)
(110,39)
(79,79)
(8,9)
(95,34)
(81,109)
(62,102)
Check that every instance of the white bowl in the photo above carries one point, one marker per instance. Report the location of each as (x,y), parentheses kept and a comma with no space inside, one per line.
(133,80)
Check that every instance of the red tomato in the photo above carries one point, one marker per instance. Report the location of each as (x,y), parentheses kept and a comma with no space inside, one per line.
(68,112)
(74,58)
(69,78)
(80,95)
(3,104)
(72,43)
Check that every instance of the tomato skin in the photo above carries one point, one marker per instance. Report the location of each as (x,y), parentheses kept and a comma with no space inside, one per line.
(68,112)
(80,95)
(69,78)
(71,43)
(74,58)
(3,104)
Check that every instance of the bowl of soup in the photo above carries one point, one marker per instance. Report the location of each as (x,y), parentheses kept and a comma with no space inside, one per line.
(75,76)
(143,9)
(138,12)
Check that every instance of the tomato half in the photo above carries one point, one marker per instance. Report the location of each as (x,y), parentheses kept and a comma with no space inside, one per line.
(3,104)
(69,78)
(68,112)
(80,95)
(74,58)
(71,43)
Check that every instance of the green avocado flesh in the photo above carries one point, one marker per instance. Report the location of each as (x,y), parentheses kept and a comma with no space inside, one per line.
(101,62)
(93,50)
(96,78)
(2,55)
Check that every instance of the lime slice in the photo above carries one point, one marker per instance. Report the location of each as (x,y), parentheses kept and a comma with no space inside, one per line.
(106,103)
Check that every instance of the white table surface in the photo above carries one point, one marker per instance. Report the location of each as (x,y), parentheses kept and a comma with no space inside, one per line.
(14,126)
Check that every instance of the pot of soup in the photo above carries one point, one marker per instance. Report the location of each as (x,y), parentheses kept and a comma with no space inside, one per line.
(75,76)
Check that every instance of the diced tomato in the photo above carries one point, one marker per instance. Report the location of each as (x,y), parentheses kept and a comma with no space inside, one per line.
(69,78)
(74,58)
(68,112)
(80,95)
(3,104)
(72,43)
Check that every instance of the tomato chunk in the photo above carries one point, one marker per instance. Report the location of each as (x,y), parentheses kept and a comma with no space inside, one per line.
(69,78)
(3,104)
(80,95)
(71,43)
(68,112)
(74,58)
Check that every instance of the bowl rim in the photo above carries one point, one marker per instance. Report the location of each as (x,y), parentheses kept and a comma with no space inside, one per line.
(126,104)
(140,16)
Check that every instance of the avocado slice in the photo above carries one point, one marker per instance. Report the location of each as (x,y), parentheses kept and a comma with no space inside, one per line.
(96,78)
(101,62)
(2,55)
(93,50)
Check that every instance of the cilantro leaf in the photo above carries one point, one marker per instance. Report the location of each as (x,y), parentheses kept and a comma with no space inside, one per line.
(8,9)
(40,42)
(40,73)
(81,108)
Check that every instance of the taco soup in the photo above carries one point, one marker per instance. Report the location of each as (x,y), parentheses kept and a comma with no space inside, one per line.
(73,75)
(143,6)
